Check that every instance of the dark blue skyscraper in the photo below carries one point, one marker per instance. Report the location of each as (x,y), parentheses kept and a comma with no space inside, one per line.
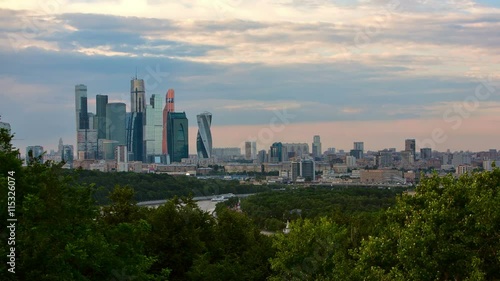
(177,136)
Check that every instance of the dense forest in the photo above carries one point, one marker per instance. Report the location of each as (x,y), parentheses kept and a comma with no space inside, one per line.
(152,186)
(448,230)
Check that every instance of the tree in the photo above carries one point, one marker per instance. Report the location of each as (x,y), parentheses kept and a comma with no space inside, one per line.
(450,230)
(313,250)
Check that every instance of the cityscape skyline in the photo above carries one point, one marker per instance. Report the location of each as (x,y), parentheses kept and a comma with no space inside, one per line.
(371,71)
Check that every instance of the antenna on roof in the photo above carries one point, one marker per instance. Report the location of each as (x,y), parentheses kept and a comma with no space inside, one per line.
(136,73)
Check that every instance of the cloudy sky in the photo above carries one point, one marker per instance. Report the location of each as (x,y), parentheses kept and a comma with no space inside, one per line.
(377,71)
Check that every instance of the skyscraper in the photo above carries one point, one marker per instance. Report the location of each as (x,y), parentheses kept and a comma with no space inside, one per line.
(115,122)
(153,130)
(248,150)
(169,107)
(101,102)
(358,151)
(177,133)
(276,153)
(135,121)
(81,106)
(85,134)
(410,145)
(137,95)
(204,137)
(316,147)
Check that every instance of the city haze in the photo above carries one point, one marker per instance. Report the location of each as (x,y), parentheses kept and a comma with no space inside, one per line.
(372,71)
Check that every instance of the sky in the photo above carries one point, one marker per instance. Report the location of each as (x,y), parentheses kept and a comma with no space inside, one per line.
(378,71)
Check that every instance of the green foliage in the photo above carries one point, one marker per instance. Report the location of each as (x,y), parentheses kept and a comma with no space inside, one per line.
(159,186)
(313,250)
(448,230)
(240,252)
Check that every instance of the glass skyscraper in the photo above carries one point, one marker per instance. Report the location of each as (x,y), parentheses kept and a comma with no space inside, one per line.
(115,122)
(204,137)
(101,102)
(153,130)
(177,136)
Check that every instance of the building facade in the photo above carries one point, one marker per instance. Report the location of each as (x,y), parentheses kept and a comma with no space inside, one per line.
(204,137)
(178,138)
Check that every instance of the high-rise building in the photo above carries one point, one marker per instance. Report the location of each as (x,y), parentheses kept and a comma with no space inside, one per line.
(81,106)
(33,152)
(425,153)
(356,153)
(262,156)
(295,170)
(67,154)
(359,145)
(177,133)
(137,95)
(410,146)
(204,137)
(224,153)
(115,122)
(276,153)
(153,131)
(135,135)
(250,150)
(169,107)
(121,157)
(308,169)
(101,102)
(316,147)
(86,141)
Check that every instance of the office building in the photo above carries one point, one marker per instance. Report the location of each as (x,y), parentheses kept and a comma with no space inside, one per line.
(115,122)
(137,95)
(384,159)
(250,150)
(410,145)
(316,147)
(359,145)
(34,152)
(204,137)
(101,102)
(177,136)
(295,170)
(153,130)
(358,154)
(308,169)
(121,157)
(425,153)
(358,150)
(169,107)
(81,107)
(262,156)
(276,152)
(135,135)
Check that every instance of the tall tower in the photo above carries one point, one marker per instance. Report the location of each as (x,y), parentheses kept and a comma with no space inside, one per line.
(101,102)
(204,137)
(153,130)
(178,139)
(137,95)
(81,106)
(115,127)
(316,147)
(169,107)
(410,146)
